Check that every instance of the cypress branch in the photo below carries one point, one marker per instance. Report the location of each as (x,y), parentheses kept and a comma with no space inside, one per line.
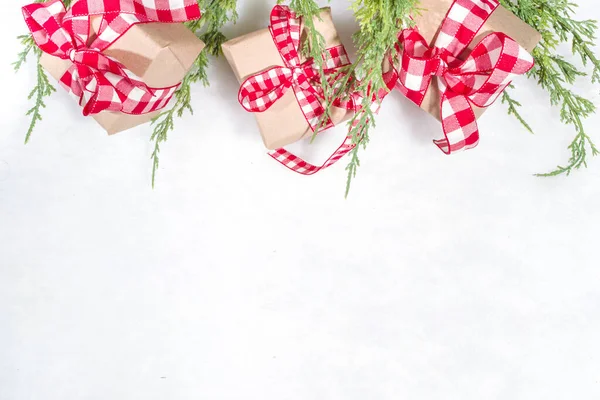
(513,108)
(380,22)
(215,14)
(554,20)
(42,88)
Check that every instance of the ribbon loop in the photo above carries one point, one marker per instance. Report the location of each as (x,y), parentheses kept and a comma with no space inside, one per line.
(478,80)
(259,92)
(101,82)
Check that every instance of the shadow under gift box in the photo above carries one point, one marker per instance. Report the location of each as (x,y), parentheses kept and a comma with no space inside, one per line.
(283,123)
(430,21)
(161,54)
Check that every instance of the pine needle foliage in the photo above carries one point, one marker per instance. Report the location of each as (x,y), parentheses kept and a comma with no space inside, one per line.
(513,108)
(215,14)
(42,88)
(554,19)
(380,22)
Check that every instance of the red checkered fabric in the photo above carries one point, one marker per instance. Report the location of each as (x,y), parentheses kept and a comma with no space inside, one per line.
(98,81)
(297,164)
(260,91)
(478,80)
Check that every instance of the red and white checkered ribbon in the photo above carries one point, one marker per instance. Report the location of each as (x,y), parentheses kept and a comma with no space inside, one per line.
(99,81)
(260,91)
(478,80)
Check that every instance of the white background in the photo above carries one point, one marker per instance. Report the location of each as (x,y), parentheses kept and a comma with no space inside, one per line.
(440,277)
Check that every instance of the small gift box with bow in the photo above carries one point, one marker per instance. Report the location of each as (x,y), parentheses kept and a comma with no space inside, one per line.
(458,59)
(122,59)
(279,85)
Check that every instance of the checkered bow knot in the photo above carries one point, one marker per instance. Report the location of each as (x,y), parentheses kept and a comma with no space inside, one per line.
(99,81)
(260,91)
(478,80)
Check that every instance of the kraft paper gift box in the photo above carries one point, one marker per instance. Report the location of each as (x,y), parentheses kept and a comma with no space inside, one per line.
(159,53)
(283,123)
(429,22)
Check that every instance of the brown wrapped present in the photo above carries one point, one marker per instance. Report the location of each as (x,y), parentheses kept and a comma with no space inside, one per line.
(160,54)
(430,21)
(284,122)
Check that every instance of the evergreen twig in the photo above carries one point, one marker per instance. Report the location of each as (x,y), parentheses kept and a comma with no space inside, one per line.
(513,108)
(554,20)
(380,22)
(42,88)
(215,14)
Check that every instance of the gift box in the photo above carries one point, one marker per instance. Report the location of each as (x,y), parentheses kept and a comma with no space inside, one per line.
(501,20)
(458,59)
(284,122)
(159,54)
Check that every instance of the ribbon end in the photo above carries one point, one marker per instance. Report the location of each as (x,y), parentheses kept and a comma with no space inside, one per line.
(443,145)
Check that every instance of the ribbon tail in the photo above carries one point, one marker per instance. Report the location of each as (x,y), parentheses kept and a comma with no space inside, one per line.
(459,124)
(299,165)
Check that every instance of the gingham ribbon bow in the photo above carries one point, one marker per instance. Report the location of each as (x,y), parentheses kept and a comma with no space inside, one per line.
(260,91)
(100,82)
(478,80)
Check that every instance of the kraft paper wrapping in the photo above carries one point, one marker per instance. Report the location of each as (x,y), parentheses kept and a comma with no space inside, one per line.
(430,21)
(161,54)
(283,123)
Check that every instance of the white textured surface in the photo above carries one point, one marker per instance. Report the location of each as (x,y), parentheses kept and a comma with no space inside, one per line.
(458,277)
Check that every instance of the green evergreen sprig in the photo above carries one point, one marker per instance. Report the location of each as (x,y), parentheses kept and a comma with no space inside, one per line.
(380,22)
(42,88)
(555,22)
(513,108)
(215,14)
